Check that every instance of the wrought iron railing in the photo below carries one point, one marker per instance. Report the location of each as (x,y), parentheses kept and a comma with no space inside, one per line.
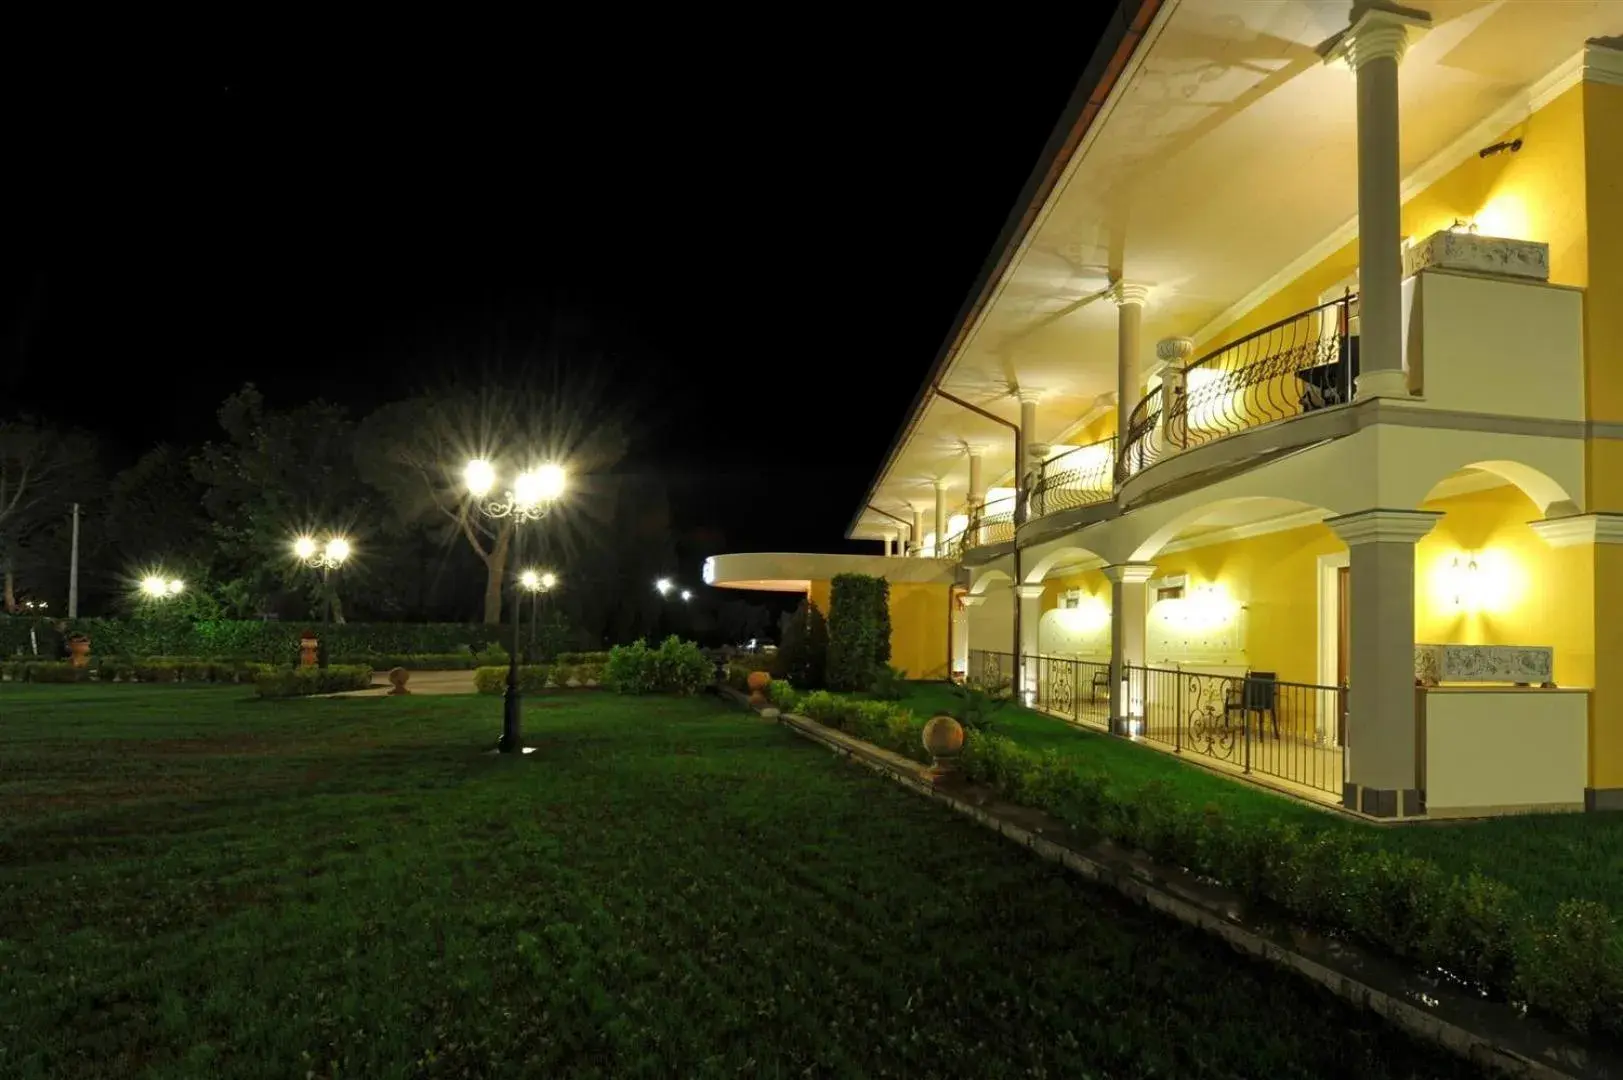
(990,670)
(1299,364)
(1077,690)
(1079,477)
(1256,724)
(988,525)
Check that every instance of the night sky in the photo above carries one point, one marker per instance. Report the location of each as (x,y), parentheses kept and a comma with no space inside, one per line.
(764,245)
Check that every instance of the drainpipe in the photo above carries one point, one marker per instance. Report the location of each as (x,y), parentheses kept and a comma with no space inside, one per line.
(1019,519)
(908,525)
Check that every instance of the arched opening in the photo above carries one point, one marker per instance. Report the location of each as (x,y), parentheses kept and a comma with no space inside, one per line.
(1548,497)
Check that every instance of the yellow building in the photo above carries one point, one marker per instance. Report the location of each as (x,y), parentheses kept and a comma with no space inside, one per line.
(1285,430)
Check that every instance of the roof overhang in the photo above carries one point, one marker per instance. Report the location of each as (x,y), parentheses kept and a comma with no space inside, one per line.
(787,571)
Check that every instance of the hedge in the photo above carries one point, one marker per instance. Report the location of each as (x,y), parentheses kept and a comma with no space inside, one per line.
(248,639)
(1474,930)
(536,677)
(304,681)
(154,670)
(676,667)
(858,630)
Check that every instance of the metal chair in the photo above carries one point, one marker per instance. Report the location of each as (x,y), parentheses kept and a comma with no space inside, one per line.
(1255,694)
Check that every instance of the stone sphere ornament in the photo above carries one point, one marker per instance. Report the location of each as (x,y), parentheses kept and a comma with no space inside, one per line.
(398,678)
(758,682)
(944,739)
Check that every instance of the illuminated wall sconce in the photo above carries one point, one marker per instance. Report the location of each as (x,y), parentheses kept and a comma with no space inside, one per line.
(1462,226)
(1463,580)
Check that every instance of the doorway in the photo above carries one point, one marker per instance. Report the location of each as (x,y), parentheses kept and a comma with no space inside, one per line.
(1335,645)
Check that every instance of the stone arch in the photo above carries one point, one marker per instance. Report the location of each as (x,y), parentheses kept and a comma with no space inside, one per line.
(1038,570)
(1552,499)
(986,578)
(1151,545)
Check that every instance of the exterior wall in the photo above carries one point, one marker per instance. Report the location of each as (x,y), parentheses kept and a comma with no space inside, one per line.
(1526,592)
(1606,703)
(918,625)
(991,622)
(1493,751)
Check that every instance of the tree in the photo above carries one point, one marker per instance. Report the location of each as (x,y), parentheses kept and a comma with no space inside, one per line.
(803,652)
(858,630)
(414,453)
(42,471)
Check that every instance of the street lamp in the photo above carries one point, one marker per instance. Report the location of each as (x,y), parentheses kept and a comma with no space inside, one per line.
(326,556)
(536,582)
(664,586)
(531,497)
(687,594)
(158,587)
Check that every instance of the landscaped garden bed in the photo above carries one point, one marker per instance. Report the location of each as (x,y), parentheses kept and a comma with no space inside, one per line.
(194,884)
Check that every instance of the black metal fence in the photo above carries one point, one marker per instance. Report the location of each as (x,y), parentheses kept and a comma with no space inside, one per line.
(1257,724)
(1078,690)
(1076,478)
(987,525)
(1302,363)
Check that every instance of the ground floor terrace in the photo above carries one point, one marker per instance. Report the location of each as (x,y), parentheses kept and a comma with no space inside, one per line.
(1431,659)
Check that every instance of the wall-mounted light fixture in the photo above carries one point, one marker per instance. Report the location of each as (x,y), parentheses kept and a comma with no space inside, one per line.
(1512,145)
(1462,577)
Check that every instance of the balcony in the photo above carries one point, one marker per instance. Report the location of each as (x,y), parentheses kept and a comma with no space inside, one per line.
(988,526)
(1075,479)
(1301,364)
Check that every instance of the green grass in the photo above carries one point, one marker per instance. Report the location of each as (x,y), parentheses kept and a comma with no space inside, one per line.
(197,884)
(1547,858)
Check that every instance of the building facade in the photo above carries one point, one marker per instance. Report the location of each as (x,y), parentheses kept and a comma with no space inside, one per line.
(1285,431)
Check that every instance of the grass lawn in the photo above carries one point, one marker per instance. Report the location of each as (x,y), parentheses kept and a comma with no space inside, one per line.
(196,884)
(1547,858)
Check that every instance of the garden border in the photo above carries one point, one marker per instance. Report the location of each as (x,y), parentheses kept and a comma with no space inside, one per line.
(1484,1033)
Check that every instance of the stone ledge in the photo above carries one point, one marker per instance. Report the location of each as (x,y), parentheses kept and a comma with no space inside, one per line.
(1487,1034)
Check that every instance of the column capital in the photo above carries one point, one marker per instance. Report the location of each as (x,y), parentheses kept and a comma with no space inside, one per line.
(972,599)
(1029,592)
(940,483)
(1028,395)
(1038,451)
(1378,32)
(1383,526)
(1127,292)
(1174,350)
(1575,529)
(976,449)
(1131,573)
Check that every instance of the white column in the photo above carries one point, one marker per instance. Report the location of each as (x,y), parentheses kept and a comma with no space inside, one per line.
(1173,353)
(940,516)
(916,540)
(960,631)
(1030,599)
(1373,46)
(1380,754)
(890,543)
(1129,608)
(977,488)
(1130,300)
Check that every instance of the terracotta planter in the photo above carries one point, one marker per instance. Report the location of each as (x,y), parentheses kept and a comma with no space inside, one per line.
(944,739)
(758,682)
(79,651)
(398,677)
(307,650)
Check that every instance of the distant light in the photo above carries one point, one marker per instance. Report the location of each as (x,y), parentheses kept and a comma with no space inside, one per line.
(663,585)
(687,594)
(530,580)
(154,586)
(480,476)
(548,580)
(176,587)
(337,550)
(304,547)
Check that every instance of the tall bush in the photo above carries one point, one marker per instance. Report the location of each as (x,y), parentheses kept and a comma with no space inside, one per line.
(803,655)
(858,630)
(676,667)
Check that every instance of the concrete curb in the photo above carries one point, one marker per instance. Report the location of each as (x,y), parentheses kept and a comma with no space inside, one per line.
(1487,1034)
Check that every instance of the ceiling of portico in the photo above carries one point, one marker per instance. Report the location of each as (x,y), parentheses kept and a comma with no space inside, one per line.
(1227,151)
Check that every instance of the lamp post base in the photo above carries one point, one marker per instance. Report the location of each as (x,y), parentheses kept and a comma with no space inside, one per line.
(512,740)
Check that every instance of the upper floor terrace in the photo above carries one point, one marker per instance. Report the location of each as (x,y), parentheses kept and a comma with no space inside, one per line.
(1199,244)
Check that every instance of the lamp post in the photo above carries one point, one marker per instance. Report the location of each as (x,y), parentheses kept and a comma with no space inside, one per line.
(531,497)
(326,557)
(537,582)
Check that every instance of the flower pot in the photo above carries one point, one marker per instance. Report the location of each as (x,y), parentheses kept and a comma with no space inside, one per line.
(79,651)
(307,650)
(758,682)
(944,739)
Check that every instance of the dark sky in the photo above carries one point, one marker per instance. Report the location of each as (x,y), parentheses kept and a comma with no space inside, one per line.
(770,239)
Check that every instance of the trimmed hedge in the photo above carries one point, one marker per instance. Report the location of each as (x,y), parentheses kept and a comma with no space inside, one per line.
(252,639)
(304,681)
(537,677)
(858,630)
(1475,930)
(676,667)
(153,670)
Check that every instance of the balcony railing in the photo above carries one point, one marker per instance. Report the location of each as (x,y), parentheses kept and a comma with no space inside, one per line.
(1076,478)
(988,525)
(1306,362)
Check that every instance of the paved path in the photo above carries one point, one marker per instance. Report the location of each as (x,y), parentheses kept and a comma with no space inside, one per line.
(421,682)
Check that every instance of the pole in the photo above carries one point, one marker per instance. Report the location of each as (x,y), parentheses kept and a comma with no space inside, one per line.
(73,568)
(535,617)
(512,741)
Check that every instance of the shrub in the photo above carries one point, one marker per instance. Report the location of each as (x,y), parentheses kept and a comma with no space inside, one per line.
(858,630)
(532,679)
(583,657)
(303,681)
(1473,935)
(803,656)
(676,667)
(1572,968)
(491,656)
(46,671)
(889,683)
(976,706)
(253,639)
(783,696)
